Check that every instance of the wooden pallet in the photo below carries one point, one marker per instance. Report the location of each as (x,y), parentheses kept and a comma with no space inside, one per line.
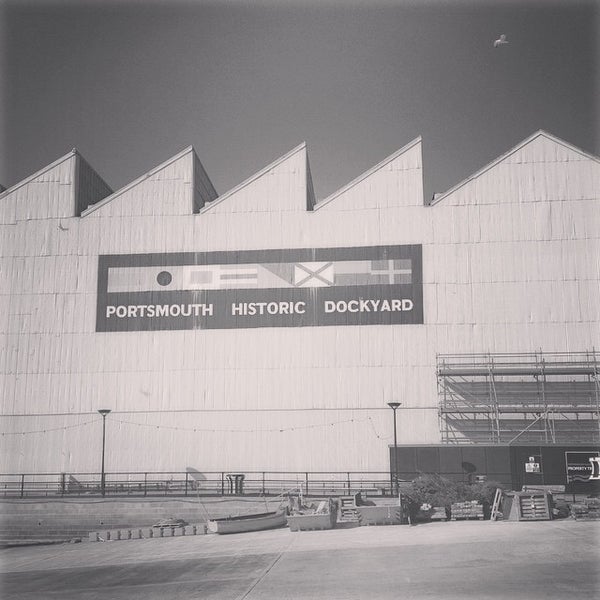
(527,506)
(535,507)
(495,514)
(348,509)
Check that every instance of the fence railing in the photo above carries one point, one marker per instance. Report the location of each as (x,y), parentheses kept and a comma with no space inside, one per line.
(216,483)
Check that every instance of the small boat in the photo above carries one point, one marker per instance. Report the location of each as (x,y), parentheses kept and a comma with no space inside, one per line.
(251,522)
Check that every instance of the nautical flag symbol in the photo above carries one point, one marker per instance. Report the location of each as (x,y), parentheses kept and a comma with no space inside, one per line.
(392,269)
(214,277)
(313,274)
(199,277)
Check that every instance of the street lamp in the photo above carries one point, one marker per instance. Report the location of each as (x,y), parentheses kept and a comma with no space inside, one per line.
(103,412)
(394,406)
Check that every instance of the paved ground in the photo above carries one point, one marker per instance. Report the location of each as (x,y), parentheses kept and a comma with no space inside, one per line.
(455,560)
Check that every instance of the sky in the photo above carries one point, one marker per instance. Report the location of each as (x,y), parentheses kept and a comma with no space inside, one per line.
(130,83)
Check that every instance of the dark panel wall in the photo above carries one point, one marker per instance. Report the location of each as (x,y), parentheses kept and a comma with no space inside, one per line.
(454,462)
(505,464)
(553,466)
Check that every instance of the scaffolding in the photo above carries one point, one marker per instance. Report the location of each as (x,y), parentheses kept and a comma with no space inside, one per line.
(537,398)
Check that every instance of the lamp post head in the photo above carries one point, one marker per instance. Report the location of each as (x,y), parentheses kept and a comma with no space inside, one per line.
(394,405)
(104,411)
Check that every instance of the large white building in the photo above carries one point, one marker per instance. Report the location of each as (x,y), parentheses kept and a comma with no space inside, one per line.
(148,300)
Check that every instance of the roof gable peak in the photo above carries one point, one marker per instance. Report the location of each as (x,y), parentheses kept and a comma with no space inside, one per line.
(132,184)
(38,173)
(439,197)
(368,173)
(278,161)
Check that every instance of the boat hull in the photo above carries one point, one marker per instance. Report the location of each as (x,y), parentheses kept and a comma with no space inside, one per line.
(246,523)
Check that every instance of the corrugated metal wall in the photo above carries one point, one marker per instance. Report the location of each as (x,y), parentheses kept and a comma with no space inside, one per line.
(510,264)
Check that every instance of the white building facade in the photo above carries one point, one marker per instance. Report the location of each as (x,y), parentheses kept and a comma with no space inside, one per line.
(147,301)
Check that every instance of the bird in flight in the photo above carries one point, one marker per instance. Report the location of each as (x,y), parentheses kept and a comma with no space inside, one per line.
(500,41)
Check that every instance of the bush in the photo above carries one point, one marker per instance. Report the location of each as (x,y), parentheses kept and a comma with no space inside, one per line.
(481,492)
(439,491)
(433,490)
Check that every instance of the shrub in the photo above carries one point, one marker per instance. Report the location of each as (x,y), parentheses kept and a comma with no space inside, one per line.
(436,490)
(433,490)
(481,492)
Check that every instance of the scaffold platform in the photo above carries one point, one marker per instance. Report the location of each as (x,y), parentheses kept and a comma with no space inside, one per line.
(541,398)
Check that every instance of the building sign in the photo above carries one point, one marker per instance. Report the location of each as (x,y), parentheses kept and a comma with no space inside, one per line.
(581,466)
(533,464)
(377,285)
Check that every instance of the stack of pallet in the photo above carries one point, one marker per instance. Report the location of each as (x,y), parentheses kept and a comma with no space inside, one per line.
(588,510)
(466,510)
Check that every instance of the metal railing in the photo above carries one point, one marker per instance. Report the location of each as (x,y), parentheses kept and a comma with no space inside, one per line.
(215,483)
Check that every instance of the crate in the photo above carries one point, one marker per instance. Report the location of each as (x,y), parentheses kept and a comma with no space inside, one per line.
(313,522)
(379,515)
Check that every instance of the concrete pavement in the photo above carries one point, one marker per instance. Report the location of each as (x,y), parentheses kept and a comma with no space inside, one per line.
(454,560)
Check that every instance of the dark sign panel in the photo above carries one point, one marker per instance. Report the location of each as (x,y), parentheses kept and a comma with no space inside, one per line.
(582,467)
(377,285)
